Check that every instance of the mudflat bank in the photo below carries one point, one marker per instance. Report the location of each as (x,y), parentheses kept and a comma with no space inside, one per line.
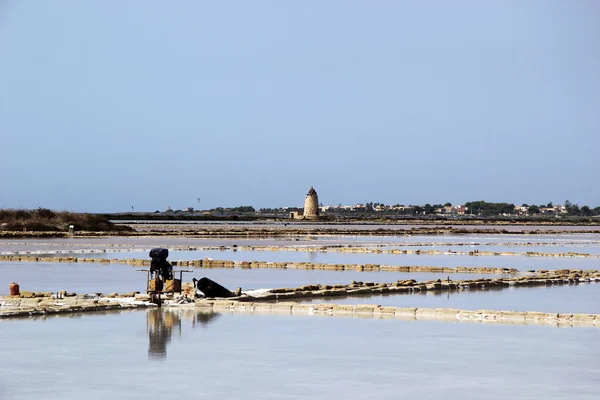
(44,303)
(281,229)
(32,304)
(41,304)
(32,308)
(209,263)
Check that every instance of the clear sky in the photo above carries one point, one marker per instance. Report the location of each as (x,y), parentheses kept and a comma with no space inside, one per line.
(105,105)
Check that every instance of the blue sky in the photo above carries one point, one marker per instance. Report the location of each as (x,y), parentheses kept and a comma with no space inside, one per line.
(112,104)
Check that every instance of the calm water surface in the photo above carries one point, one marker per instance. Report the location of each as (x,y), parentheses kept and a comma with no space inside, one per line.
(176,354)
(569,299)
(95,277)
(522,263)
(92,277)
(181,353)
(584,241)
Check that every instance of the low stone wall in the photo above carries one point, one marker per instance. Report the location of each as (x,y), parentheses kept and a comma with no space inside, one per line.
(362,289)
(340,267)
(12,306)
(277,301)
(402,227)
(360,249)
(206,263)
(404,313)
(345,249)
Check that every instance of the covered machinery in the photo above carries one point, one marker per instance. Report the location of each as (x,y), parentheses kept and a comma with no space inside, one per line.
(161,277)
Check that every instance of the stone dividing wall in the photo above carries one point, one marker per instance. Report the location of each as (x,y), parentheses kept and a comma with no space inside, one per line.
(403,313)
(36,306)
(355,288)
(120,247)
(336,249)
(41,303)
(411,286)
(32,304)
(360,249)
(206,263)
(46,307)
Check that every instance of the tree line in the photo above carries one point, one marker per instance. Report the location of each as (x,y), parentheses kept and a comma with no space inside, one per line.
(486,209)
(241,209)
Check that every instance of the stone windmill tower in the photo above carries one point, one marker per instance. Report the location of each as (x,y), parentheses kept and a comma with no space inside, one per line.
(311,204)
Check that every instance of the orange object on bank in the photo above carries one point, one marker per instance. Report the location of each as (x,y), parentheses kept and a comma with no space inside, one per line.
(14,289)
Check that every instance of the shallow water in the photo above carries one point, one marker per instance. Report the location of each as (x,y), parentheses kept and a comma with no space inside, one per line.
(571,299)
(395,241)
(95,277)
(522,263)
(172,355)
(138,247)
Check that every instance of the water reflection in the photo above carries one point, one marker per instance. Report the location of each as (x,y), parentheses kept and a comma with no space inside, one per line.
(205,318)
(162,324)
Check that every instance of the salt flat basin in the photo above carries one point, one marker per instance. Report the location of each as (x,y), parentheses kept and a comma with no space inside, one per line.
(354,226)
(483,241)
(574,299)
(126,355)
(521,263)
(96,277)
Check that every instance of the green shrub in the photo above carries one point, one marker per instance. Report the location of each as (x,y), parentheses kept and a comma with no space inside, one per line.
(45,220)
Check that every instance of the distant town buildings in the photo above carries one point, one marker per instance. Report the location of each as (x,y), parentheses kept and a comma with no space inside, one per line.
(554,210)
(447,209)
(313,210)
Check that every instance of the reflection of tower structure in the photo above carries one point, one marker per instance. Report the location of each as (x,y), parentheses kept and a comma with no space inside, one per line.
(160,325)
(311,204)
(205,318)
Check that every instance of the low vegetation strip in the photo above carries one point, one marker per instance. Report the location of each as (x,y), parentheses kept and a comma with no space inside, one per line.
(20,230)
(44,220)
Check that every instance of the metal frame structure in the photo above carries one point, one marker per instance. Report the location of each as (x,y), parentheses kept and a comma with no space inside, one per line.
(155,294)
